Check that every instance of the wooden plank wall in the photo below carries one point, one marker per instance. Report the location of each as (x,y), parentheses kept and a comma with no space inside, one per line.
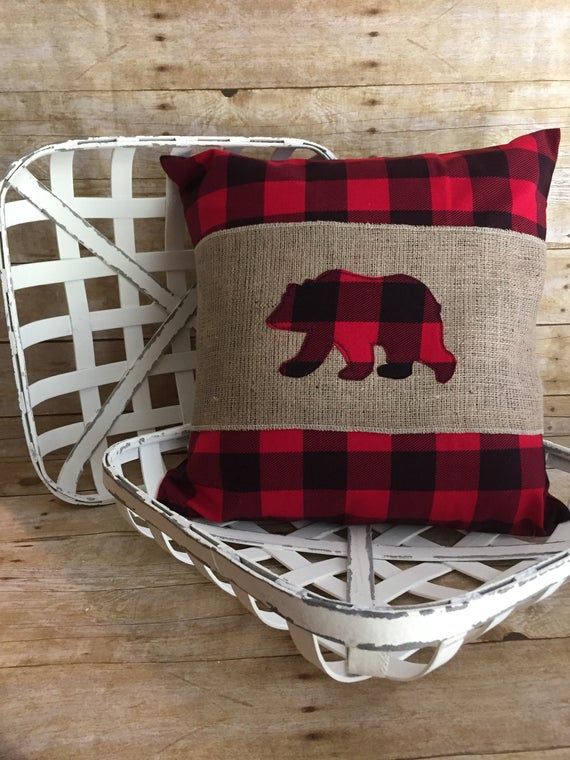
(363,77)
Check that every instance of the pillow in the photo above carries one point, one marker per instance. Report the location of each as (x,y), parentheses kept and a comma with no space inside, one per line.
(366,338)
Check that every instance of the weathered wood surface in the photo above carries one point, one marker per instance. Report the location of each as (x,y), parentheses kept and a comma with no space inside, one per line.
(108,647)
(359,121)
(135,46)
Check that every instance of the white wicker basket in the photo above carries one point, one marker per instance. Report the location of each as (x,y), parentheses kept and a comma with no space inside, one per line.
(379,600)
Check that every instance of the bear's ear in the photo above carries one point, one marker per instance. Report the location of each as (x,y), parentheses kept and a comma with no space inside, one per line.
(289,291)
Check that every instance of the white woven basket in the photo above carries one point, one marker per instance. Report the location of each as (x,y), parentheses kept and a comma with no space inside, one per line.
(379,600)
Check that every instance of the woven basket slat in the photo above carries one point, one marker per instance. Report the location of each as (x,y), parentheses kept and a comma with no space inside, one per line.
(387,601)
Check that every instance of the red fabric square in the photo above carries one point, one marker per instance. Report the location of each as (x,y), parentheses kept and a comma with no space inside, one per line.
(212,209)
(207,442)
(368,195)
(455,508)
(530,507)
(283,198)
(364,441)
(451,194)
(280,440)
(458,442)
(523,194)
(286,505)
(367,506)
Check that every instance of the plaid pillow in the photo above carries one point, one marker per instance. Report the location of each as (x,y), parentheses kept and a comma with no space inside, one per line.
(309,272)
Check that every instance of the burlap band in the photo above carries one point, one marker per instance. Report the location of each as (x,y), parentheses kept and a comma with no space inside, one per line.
(488,282)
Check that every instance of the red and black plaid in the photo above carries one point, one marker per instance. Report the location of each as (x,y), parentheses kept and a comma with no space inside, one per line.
(505,186)
(463,480)
(493,482)
(354,313)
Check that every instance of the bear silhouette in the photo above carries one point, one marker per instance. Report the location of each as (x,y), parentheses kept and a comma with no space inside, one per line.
(354,313)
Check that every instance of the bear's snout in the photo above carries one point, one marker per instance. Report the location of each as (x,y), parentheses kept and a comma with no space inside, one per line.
(280,317)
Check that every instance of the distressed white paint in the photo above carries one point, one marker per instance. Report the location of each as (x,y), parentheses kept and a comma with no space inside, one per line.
(355,619)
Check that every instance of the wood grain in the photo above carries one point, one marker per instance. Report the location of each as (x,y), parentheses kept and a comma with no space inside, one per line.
(338,43)
(382,118)
(198,710)
(357,121)
(108,647)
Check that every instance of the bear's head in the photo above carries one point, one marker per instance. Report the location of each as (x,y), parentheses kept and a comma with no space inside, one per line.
(302,305)
(281,317)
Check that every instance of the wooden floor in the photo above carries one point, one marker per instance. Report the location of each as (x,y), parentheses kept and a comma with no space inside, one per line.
(109,648)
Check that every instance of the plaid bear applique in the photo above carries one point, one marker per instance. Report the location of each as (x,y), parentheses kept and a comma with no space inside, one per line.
(354,313)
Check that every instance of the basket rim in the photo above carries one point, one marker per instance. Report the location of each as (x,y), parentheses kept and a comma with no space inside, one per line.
(10,180)
(174,141)
(455,614)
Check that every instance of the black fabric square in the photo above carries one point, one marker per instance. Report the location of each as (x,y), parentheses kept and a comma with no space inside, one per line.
(247,506)
(423,218)
(325,469)
(500,470)
(281,471)
(414,166)
(316,302)
(239,442)
(545,171)
(328,196)
(498,219)
(243,169)
(329,506)
(415,505)
(413,470)
(320,171)
(240,472)
(250,220)
(326,216)
(402,302)
(488,164)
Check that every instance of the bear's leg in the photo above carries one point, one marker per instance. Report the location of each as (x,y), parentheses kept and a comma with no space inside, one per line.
(356,370)
(401,347)
(356,346)
(396,371)
(314,350)
(443,371)
(434,353)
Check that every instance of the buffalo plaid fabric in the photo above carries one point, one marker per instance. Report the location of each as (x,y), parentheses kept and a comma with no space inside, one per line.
(354,313)
(504,186)
(464,480)
(493,482)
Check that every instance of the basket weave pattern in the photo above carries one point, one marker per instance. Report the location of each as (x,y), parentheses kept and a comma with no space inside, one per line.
(379,600)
